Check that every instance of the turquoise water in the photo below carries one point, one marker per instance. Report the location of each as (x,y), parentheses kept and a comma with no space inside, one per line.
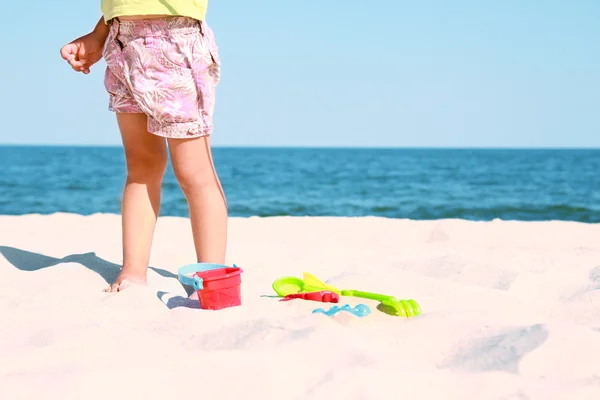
(396,183)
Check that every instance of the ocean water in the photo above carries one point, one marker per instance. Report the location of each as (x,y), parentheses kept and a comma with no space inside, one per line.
(529,185)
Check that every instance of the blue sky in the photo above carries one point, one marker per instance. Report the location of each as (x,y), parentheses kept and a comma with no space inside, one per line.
(339,73)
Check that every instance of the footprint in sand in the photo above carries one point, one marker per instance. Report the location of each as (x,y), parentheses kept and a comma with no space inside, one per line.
(250,335)
(584,291)
(595,275)
(437,234)
(501,352)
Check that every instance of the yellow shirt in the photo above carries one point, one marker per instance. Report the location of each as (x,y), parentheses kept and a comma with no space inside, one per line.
(185,8)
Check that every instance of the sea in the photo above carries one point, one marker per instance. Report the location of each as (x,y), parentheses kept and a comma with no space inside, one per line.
(418,184)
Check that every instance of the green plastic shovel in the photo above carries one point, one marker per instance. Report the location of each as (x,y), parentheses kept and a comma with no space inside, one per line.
(402,308)
(310,283)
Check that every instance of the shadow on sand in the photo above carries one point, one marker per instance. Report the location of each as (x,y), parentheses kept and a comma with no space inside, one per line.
(30,261)
(178,301)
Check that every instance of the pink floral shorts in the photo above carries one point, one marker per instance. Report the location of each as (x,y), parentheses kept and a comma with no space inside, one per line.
(167,69)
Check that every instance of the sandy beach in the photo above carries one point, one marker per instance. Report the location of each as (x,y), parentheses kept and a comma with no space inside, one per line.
(511,310)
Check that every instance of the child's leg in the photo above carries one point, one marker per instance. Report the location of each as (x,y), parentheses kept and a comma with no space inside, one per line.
(169,70)
(146,158)
(195,172)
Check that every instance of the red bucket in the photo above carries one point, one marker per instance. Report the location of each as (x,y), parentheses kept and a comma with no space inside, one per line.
(221,288)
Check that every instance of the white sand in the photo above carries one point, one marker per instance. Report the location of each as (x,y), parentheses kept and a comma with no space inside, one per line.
(511,310)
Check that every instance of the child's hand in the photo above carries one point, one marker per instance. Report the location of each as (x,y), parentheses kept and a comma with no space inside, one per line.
(84,52)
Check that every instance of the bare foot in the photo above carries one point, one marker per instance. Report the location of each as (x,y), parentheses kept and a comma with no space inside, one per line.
(127,279)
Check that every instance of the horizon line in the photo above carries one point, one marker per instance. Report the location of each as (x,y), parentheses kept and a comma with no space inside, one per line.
(325,147)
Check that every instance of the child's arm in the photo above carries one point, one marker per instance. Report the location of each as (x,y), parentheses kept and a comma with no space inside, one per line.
(101,29)
(85,51)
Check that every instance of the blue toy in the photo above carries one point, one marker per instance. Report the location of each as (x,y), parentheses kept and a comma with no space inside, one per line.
(361,310)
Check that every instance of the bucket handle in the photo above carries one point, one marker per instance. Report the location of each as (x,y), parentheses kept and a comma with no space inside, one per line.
(195,281)
(198,283)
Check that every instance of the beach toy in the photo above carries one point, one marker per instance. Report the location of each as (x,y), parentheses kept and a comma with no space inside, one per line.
(390,304)
(292,285)
(324,296)
(361,310)
(218,286)
(403,308)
